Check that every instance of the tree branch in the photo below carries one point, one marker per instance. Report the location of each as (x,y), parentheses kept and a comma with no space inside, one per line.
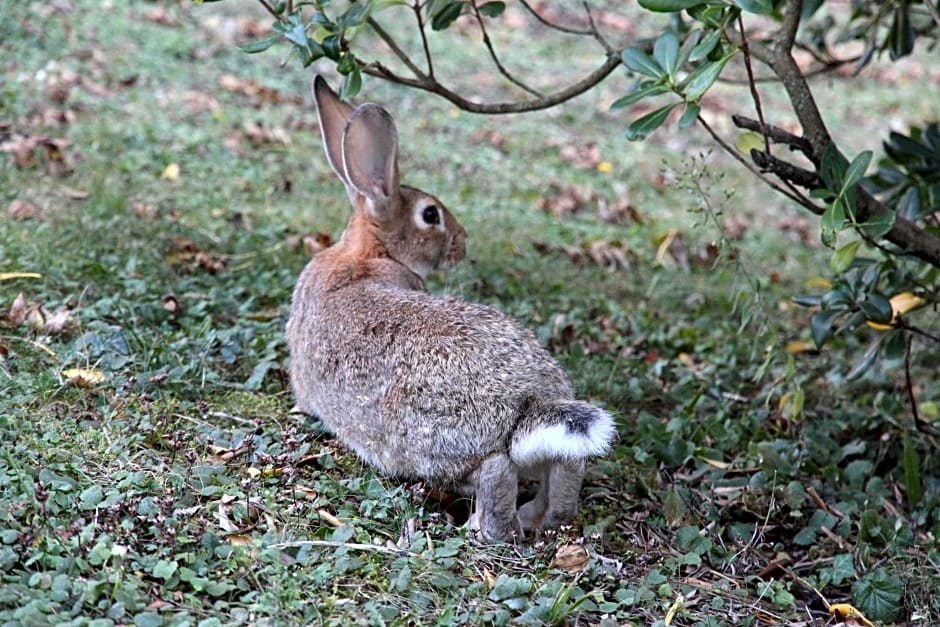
(595,32)
(499,66)
(750,166)
(753,87)
(558,27)
(778,135)
(932,9)
(431,85)
(416,7)
(401,54)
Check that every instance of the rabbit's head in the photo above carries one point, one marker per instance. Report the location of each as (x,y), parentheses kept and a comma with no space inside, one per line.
(408,225)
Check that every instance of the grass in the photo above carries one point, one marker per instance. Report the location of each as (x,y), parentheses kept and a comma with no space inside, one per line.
(180,489)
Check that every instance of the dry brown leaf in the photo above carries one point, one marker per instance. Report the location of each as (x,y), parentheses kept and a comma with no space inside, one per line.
(18,310)
(571,558)
(83,377)
(23,210)
(259,95)
(259,134)
(586,157)
(305,493)
(196,102)
(161,16)
(57,322)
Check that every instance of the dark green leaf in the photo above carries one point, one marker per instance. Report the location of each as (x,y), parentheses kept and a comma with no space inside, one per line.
(856,169)
(806,301)
(689,115)
(832,168)
(761,7)
(867,360)
(708,44)
(691,41)
(895,344)
(878,226)
(833,218)
(669,6)
(351,85)
(638,95)
(842,569)
(666,52)
(332,47)
(703,78)
(641,63)
(641,128)
(878,595)
(446,15)
(877,309)
(261,45)
(901,43)
(821,326)
(493,9)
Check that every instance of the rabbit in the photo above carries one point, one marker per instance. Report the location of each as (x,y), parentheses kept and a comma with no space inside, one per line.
(425,387)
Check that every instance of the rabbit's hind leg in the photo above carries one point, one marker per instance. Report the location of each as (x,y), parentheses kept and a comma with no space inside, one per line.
(563,491)
(497,485)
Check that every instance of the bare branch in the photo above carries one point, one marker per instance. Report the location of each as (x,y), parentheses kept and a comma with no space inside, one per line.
(416,7)
(401,54)
(827,67)
(489,46)
(270,9)
(786,36)
(777,134)
(932,9)
(750,82)
(750,166)
(558,27)
(431,85)
(594,31)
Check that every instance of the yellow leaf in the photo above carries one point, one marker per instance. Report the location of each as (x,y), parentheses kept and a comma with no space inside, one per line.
(844,611)
(83,378)
(818,283)
(488,578)
(749,140)
(605,167)
(900,305)
(9,276)
(716,463)
(673,609)
(686,360)
(253,472)
(171,172)
(797,347)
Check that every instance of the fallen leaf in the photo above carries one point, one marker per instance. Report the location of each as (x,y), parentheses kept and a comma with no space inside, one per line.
(844,611)
(83,377)
(571,558)
(488,578)
(74,194)
(21,210)
(585,157)
(9,276)
(798,347)
(18,310)
(304,492)
(673,610)
(171,172)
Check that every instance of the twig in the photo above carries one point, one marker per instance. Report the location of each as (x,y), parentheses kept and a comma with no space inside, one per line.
(910,327)
(932,9)
(828,66)
(431,85)
(391,43)
(416,7)
(750,166)
(270,9)
(499,66)
(777,134)
(750,81)
(908,342)
(595,32)
(558,27)
(339,545)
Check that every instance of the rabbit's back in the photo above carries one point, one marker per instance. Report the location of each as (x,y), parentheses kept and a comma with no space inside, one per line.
(420,386)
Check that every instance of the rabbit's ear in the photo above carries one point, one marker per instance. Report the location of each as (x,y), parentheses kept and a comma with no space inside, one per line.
(333,114)
(370,154)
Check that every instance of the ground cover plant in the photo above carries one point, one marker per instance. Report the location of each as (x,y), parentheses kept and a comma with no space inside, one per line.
(161,191)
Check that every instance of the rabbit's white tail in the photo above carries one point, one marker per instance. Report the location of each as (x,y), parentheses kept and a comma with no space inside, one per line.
(561,430)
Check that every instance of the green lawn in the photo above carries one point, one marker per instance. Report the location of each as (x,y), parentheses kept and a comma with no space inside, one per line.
(166,190)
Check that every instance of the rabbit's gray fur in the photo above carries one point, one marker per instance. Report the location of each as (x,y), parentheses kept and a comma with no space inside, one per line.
(428,387)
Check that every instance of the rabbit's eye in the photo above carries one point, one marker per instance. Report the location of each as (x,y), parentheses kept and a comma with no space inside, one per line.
(431,215)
